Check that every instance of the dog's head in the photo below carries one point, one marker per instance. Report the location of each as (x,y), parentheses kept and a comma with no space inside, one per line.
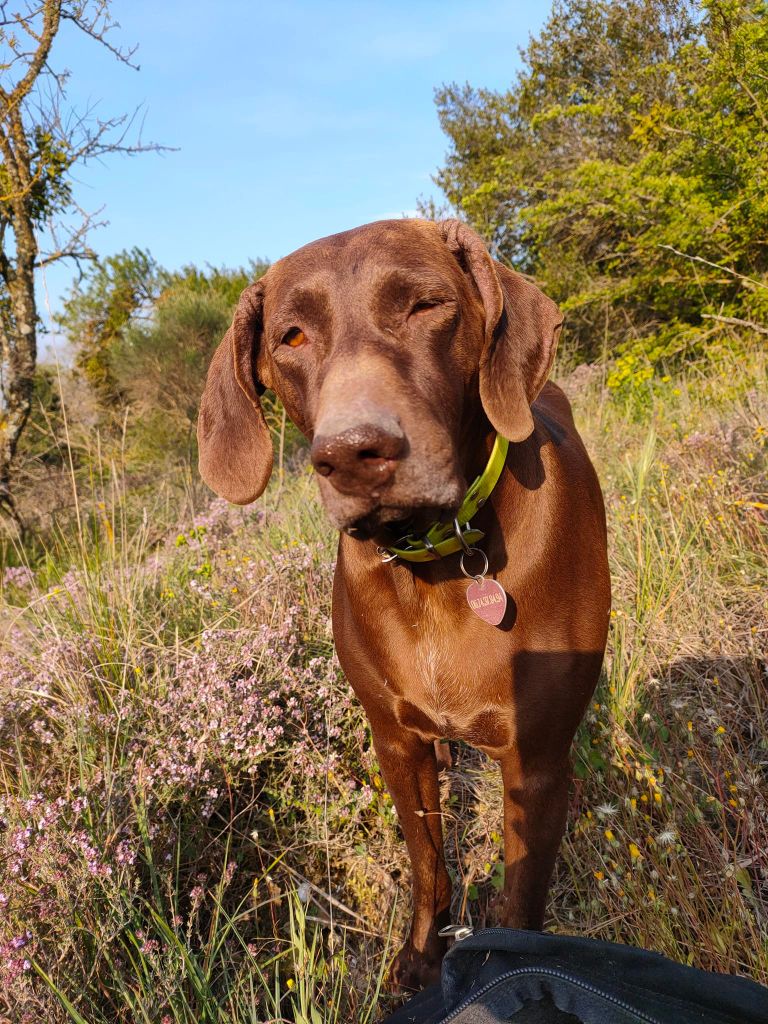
(382,343)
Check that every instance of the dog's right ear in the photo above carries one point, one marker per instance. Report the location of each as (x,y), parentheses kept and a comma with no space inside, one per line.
(233,437)
(522,326)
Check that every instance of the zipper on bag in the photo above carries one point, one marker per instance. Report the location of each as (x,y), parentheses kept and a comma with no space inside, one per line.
(552,973)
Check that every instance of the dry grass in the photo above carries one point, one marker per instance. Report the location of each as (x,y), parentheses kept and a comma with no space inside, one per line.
(194,826)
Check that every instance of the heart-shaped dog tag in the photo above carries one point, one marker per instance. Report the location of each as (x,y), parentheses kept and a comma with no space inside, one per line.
(488,600)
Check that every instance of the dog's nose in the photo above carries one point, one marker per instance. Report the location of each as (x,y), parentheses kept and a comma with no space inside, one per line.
(362,457)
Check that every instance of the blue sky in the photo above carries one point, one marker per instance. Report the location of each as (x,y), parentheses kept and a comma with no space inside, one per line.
(290,120)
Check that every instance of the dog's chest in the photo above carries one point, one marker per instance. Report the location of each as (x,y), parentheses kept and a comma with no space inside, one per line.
(448,681)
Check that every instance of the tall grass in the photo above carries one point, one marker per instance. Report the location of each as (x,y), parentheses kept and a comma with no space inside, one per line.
(194,827)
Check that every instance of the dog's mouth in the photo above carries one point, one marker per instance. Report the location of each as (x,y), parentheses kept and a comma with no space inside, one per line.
(389,525)
(397,511)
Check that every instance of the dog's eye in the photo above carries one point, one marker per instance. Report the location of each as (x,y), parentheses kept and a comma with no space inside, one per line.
(424,306)
(294,337)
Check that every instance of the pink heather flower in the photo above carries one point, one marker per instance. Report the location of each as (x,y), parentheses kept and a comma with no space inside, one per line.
(124,853)
(18,576)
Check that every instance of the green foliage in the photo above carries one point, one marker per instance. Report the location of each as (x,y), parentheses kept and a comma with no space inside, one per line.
(160,366)
(100,307)
(627,169)
(143,338)
(120,293)
(160,362)
(225,282)
(50,191)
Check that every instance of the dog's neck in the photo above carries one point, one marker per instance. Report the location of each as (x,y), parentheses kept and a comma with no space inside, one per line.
(475,442)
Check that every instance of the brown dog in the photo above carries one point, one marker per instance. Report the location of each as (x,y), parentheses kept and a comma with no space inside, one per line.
(401,349)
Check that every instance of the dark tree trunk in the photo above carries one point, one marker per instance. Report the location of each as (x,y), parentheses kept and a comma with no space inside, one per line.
(19,349)
(19,317)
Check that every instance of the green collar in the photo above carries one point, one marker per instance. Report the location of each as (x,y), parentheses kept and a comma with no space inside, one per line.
(441,538)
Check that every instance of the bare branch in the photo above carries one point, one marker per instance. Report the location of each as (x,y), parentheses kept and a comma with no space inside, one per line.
(86,134)
(716,266)
(72,244)
(97,28)
(67,254)
(736,321)
(51,11)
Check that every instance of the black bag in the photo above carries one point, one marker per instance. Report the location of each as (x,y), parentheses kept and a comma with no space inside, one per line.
(501,974)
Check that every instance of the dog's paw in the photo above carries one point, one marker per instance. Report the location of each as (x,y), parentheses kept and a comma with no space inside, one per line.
(412,971)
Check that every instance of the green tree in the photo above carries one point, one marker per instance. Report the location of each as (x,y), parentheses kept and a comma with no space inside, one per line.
(627,169)
(101,305)
(153,336)
(160,366)
(226,282)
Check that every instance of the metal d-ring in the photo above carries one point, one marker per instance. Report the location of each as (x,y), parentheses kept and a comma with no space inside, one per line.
(460,537)
(470,575)
(431,547)
(386,556)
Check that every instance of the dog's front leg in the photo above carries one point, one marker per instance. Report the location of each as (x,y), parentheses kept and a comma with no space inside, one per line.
(535,810)
(409,767)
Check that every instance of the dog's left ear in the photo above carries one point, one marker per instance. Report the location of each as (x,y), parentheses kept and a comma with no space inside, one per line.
(522,326)
(233,437)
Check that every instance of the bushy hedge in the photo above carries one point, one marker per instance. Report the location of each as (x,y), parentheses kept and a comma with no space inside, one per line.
(627,169)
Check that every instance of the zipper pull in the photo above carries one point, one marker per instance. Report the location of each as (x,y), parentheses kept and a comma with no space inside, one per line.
(456,931)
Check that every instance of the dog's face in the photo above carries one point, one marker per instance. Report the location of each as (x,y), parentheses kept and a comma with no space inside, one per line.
(382,342)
